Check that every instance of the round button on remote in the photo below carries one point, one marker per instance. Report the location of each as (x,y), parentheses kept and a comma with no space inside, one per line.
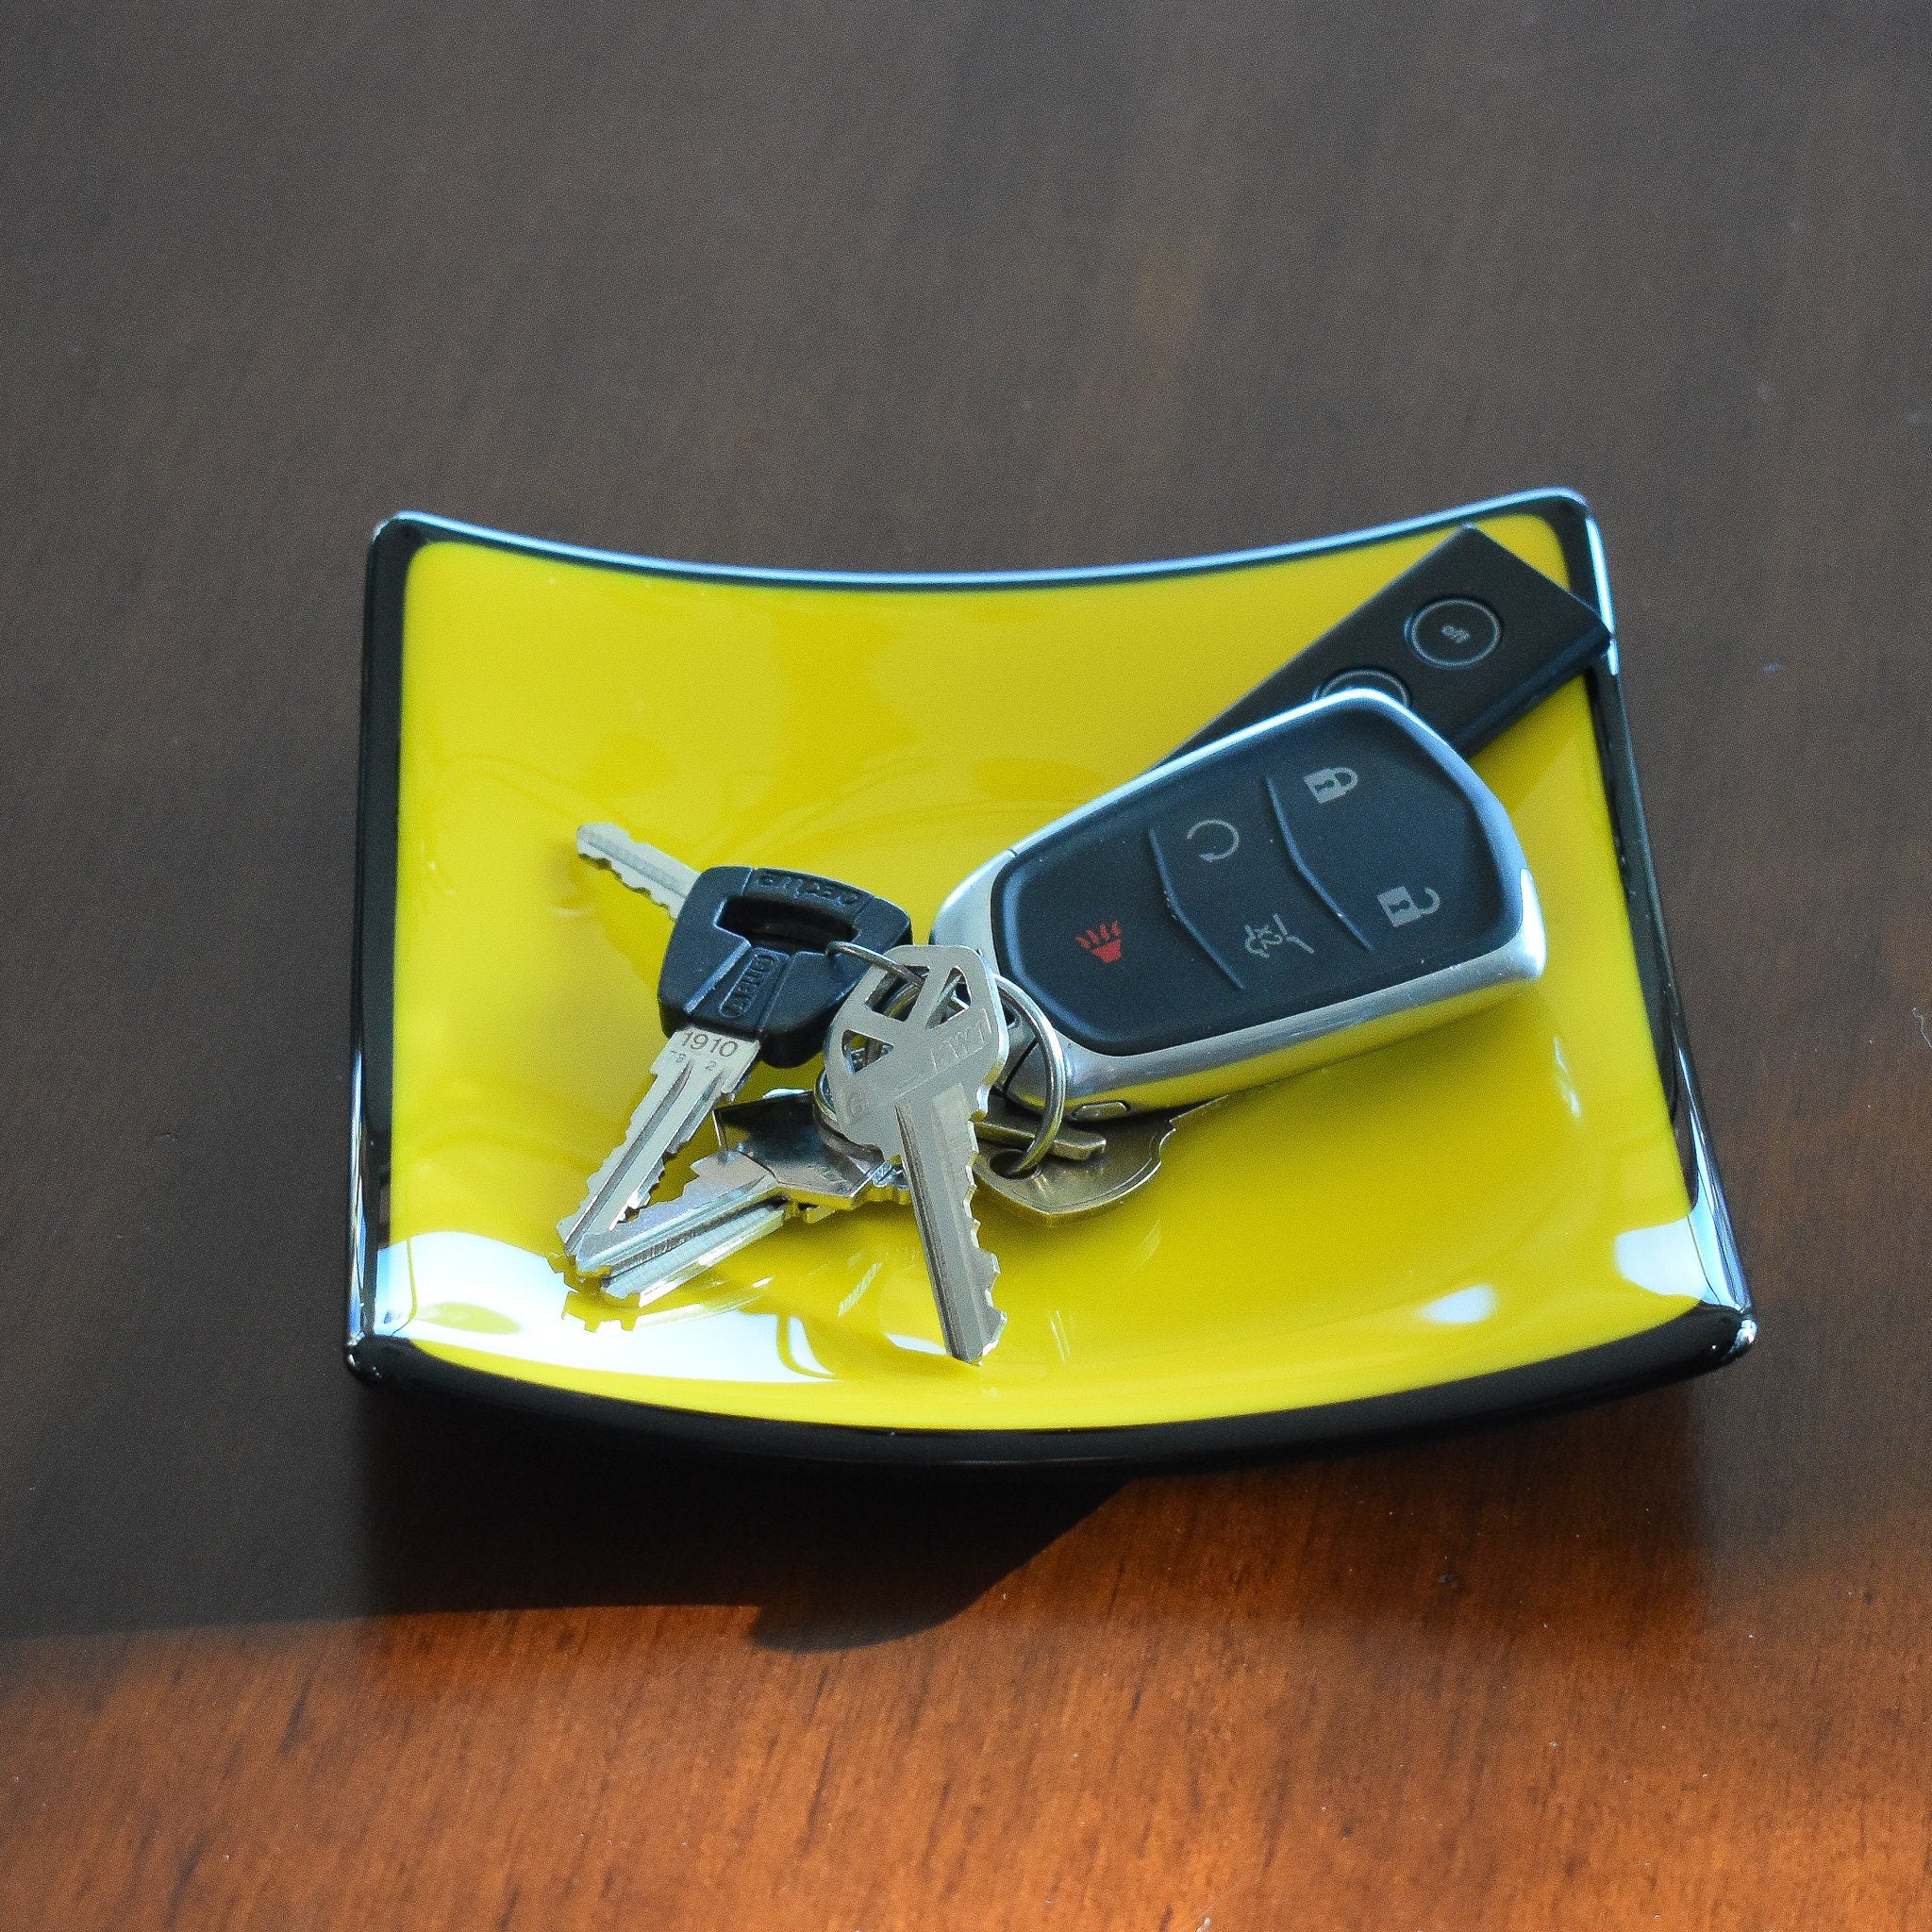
(1454,632)
(1366,678)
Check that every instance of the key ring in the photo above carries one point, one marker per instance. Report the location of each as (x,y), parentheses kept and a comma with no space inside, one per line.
(1053,1113)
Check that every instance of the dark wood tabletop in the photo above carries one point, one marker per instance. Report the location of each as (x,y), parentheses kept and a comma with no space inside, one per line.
(890,287)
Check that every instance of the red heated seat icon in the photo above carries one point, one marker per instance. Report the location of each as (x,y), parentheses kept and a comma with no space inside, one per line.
(1103,940)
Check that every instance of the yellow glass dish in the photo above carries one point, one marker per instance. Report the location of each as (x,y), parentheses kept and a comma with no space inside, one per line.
(1490,1215)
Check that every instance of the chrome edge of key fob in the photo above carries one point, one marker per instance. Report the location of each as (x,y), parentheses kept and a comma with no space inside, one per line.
(1216,1063)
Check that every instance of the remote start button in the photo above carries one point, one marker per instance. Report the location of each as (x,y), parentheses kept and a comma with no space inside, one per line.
(1454,632)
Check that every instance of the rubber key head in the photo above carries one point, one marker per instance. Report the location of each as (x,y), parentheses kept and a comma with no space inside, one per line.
(748,956)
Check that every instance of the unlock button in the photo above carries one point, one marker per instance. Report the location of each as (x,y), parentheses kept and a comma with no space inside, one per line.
(1401,906)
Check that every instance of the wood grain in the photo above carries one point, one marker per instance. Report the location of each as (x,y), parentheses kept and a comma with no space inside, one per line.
(897,287)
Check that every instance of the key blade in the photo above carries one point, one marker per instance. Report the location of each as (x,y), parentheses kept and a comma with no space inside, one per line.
(777,1162)
(652,1276)
(938,1150)
(721,1188)
(695,1071)
(642,867)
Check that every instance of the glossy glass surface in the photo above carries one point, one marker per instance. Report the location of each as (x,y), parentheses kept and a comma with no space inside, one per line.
(1498,1192)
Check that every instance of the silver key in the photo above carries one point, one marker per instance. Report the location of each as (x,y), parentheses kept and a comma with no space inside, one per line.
(912,1085)
(696,1071)
(780,1158)
(741,992)
(698,1068)
(642,867)
(776,1161)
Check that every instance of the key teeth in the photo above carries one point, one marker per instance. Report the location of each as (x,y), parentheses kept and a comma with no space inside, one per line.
(993,1324)
(567,1228)
(573,1228)
(685,1088)
(995,1318)
(607,844)
(982,1320)
(986,1271)
(642,1293)
(999,1328)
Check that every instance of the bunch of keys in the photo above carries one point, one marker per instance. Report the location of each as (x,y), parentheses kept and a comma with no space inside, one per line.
(774,965)
(1281,893)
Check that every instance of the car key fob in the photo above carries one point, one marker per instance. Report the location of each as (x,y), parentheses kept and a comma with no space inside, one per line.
(1469,638)
(1325,881)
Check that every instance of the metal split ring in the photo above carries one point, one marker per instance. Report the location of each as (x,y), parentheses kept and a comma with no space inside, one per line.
(1052,1052)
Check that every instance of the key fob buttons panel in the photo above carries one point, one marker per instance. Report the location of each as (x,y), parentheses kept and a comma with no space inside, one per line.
(1310,865)
(1329,868)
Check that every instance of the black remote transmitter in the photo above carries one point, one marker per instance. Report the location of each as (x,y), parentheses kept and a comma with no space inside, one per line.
(1468,638)
(1319,883)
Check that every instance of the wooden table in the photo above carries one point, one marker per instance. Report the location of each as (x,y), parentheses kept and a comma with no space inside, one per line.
(894,287)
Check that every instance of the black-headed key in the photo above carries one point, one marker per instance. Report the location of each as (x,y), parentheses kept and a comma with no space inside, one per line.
(747,976)
(1316,884)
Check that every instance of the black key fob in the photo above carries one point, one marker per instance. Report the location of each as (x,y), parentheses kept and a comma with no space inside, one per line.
(1322,882)
(1468,638)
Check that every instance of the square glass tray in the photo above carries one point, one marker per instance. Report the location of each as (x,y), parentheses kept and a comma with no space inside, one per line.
(1515,1211)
